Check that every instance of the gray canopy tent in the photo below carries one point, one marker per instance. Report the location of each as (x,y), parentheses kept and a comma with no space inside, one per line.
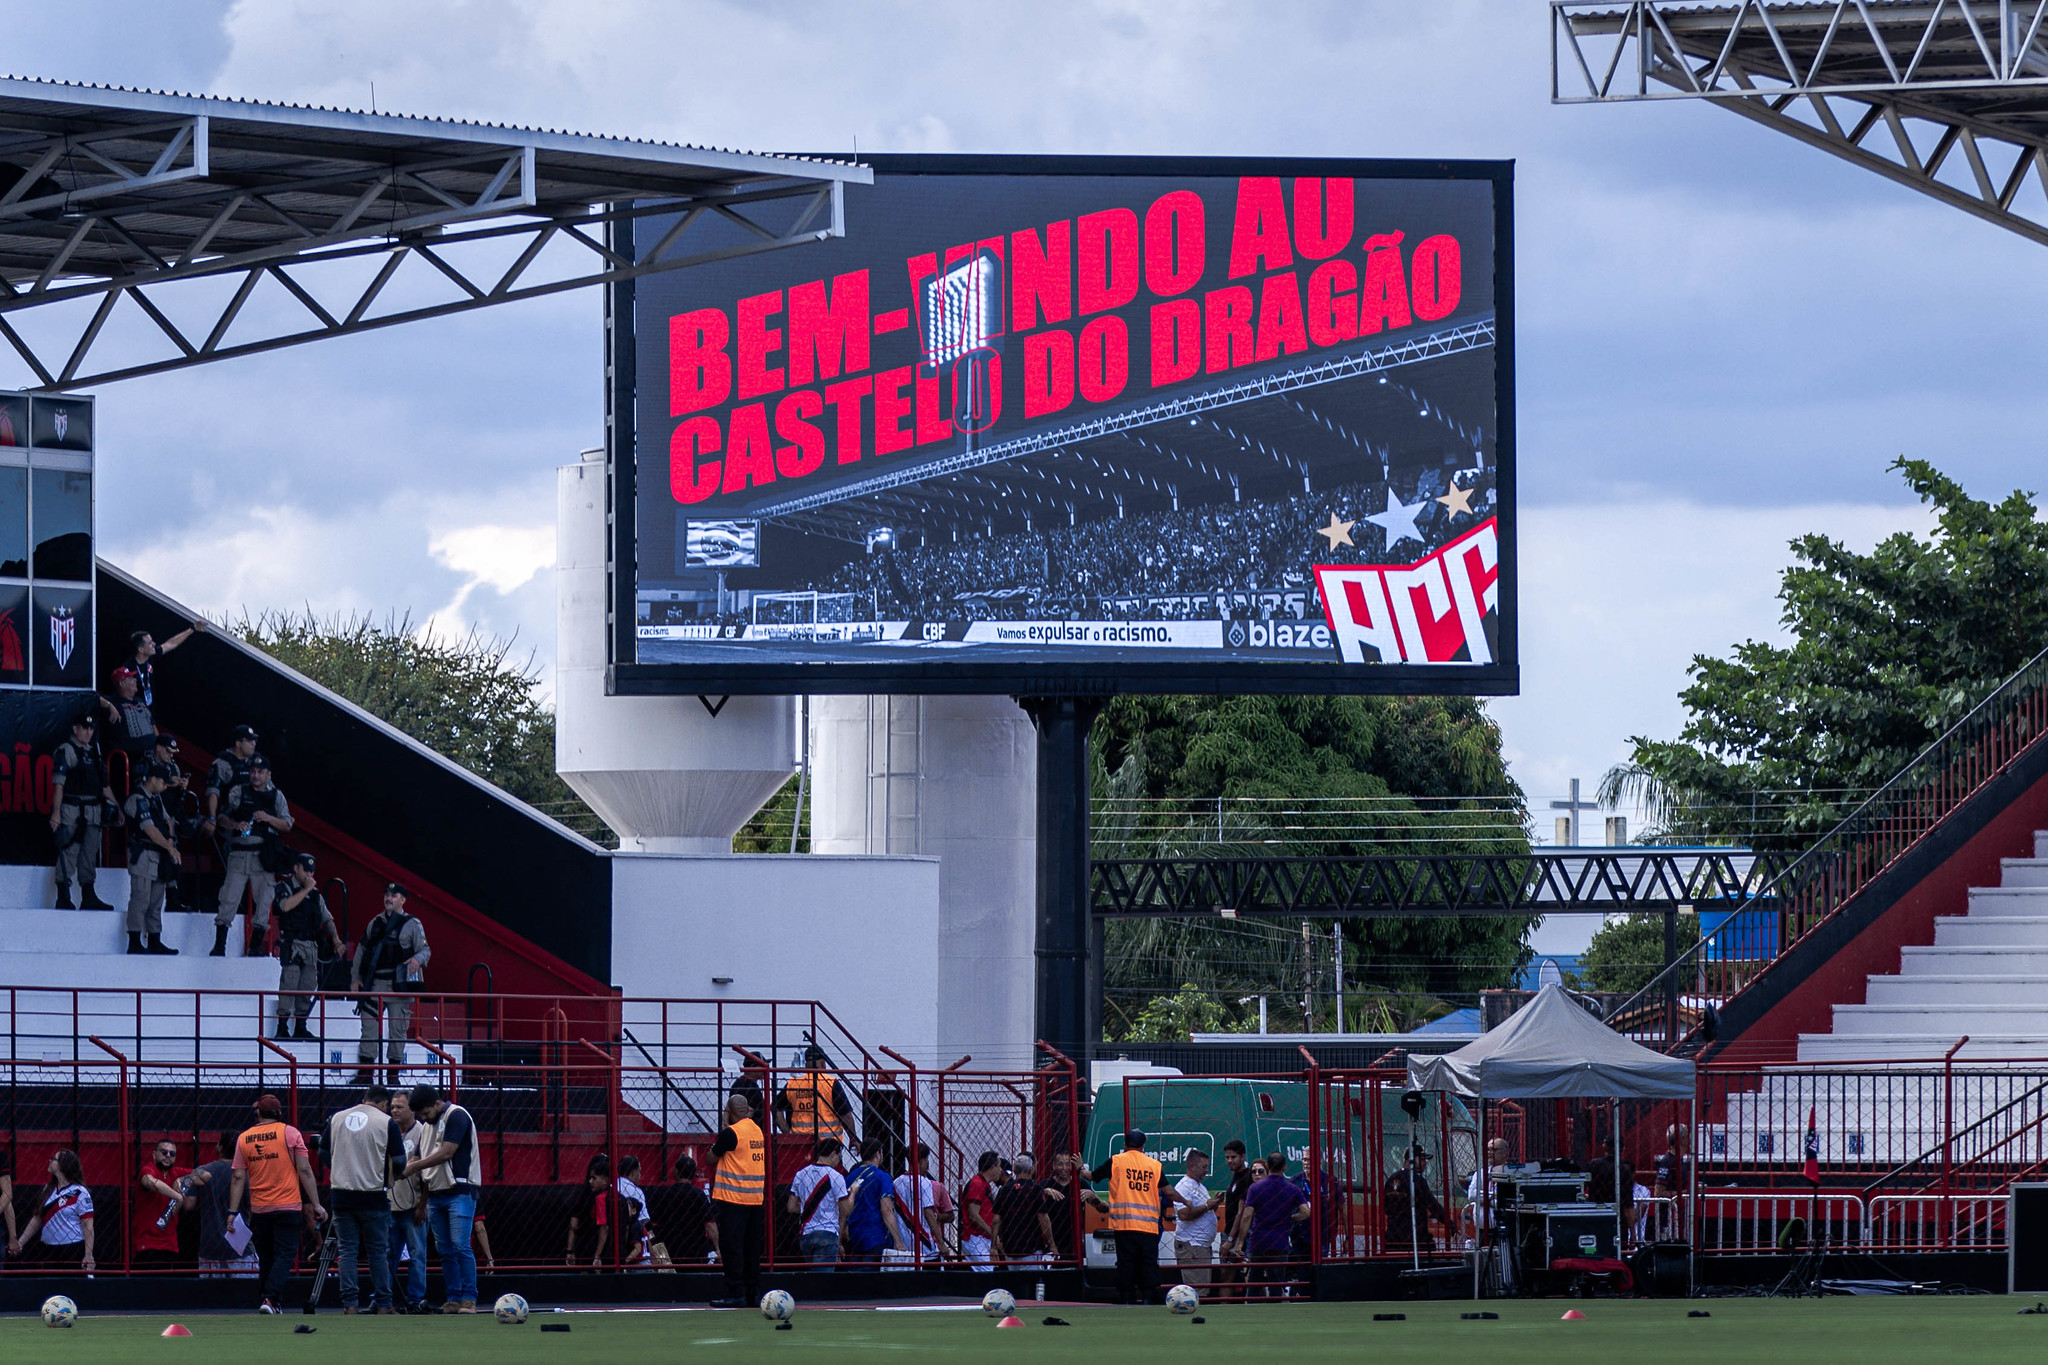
(1552,1048)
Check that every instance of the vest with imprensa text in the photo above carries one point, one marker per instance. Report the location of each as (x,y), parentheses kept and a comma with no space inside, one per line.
(742,1174)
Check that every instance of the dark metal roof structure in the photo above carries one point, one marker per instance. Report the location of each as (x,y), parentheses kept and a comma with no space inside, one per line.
(113,196)
(1949,97)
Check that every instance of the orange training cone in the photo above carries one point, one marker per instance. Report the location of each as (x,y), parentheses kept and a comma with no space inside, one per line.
(1572,1315)
(174,1330)
(1012,1321)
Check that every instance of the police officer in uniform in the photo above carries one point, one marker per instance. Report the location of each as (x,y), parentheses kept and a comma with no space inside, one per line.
(256,815)
(229,770)
(303,927)
(1135,1181)
(813,1105)
(152,862)
(80,798)
(739,1190)
(390,965)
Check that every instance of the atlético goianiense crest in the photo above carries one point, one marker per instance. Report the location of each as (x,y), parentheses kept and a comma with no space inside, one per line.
(62,417)
(63,635)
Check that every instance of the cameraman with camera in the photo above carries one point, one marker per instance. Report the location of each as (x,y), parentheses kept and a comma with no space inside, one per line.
(256,819)
(80,798)
(390,965)
(303,927)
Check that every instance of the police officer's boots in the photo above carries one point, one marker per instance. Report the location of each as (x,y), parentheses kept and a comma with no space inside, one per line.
(64,896)
(220,941)
(135,948)
(89,899)
(158,948)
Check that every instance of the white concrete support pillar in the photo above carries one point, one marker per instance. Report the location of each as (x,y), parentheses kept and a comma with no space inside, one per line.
(955,778)
(663,772)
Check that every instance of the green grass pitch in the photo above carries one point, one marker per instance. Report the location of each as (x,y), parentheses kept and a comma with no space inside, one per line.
(1914,1331)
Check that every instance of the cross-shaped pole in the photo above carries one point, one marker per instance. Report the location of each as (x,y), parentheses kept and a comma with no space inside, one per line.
(1575,806)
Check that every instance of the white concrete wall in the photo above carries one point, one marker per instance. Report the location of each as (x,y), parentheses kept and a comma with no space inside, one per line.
(954,778)
(860,935)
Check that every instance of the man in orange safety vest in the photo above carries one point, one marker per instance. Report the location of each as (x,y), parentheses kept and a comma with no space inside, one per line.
(1134,1198)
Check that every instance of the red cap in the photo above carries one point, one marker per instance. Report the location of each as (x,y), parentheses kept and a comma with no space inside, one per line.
(125,672)
(269,1106)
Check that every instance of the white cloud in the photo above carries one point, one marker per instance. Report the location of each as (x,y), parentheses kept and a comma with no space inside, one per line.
(1724,335)
(501,558)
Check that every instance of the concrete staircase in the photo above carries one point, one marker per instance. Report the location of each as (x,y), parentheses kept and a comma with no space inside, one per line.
(66,978)
(1984,978)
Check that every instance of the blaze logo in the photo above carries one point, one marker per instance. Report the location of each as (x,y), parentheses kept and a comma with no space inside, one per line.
(1427,612)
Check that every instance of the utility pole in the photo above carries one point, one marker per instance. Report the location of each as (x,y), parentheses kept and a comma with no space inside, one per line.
(1574,806)
(1337,947)
(1308,979)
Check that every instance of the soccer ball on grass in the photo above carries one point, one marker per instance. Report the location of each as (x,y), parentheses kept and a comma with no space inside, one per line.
(1182,1298)
(777,1305)
(59,1311)
(998,1303)
(510,1309)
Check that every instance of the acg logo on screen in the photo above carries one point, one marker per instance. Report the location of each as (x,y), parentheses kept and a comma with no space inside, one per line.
(1036,326)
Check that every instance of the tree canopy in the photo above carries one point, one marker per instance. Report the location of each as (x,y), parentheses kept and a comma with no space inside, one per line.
(1302,775)
(467,697)
(1888,650)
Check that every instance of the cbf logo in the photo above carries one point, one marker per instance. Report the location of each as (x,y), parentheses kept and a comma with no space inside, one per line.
(63,634)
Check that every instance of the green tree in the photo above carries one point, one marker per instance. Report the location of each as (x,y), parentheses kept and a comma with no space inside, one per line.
(1626,953)
(464,696)
(1888,650)
(1304,775)
(1177,1018)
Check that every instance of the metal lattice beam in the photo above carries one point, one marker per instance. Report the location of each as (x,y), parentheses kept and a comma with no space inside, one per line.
(1947,97)
(1536,883)
(121,196)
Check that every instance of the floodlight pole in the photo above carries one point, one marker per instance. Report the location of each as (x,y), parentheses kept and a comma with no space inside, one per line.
(1068,989)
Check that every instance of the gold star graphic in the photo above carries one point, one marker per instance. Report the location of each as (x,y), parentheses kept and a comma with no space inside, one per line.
(1339,532)
(1458,500)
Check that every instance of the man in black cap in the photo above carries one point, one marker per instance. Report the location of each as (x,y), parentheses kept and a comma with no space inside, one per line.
(256,818)
(230,769)
(390,966)
(304,926)
(152,862)
(1135,1181)
(1409,1214)
(79,798)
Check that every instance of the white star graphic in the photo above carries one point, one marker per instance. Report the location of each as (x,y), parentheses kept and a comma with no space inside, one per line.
(1398,521)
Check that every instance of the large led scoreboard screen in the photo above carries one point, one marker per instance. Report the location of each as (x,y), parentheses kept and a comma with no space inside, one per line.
(1079,425)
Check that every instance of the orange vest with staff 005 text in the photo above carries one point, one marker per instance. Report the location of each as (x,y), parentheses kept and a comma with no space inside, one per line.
(1134,1193)
(811,1112)
(742,1173)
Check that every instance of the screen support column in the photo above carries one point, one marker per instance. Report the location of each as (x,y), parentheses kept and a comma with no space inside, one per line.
(1069,1005)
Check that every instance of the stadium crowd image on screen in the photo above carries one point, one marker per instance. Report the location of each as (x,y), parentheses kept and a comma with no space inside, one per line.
(1080,425)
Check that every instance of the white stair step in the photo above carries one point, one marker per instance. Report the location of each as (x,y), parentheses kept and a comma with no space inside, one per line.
(1919,1047)
(1953,1019)
(2005,901)
(2018,931)
(2041,843)
(1972,961)
(2023,871)
(85,932)
(2012,988)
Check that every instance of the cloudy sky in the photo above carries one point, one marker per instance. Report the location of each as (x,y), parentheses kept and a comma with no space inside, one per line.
(1725,336)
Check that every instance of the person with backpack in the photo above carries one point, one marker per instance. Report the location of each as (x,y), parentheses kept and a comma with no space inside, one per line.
(819,1199)
(389,969)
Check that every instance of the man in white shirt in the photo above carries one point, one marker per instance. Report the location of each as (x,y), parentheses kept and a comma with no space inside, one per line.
(1194,1227)
(819,1198)
(923,1208)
